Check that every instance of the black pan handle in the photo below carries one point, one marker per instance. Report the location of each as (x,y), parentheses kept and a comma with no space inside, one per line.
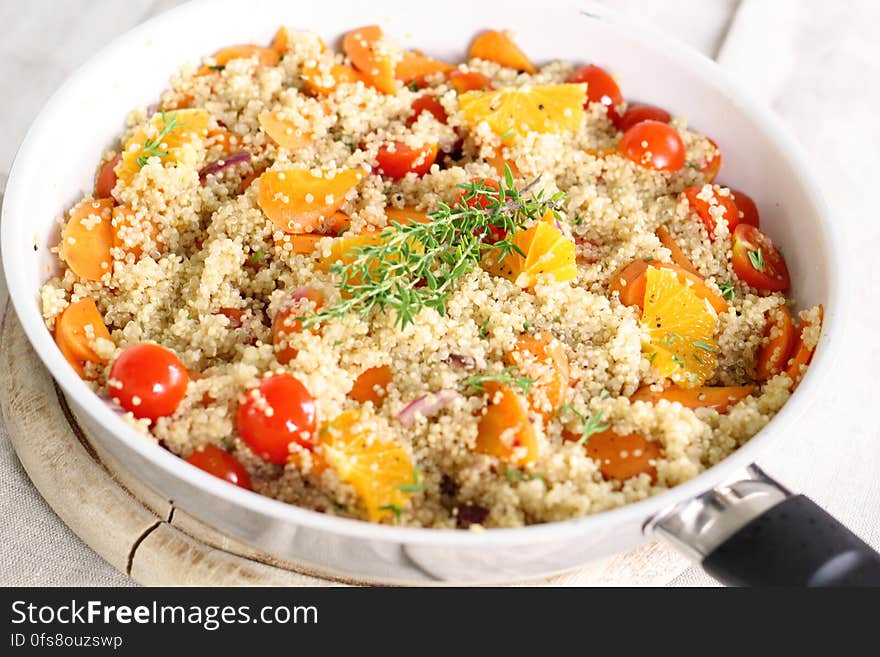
(754,532)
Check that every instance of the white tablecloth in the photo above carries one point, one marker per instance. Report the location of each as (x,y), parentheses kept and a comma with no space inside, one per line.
(816,63)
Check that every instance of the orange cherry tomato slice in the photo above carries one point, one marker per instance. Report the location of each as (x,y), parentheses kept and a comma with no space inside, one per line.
(601,88)
(748,209)
(638,113)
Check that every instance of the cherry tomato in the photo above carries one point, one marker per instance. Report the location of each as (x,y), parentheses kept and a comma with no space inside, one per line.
(397,159)
(713,166)
(222,464)
(471,81)
(430,104)
(779,333)
(638,113)
(148,380)
(286,322)
(705,209)
(105,181)
(292,419)
(757,262)
(601,88)
(748,210)
(653,145)
(496,234)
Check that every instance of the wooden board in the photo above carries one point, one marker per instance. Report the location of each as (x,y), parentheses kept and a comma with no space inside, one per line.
(144,535)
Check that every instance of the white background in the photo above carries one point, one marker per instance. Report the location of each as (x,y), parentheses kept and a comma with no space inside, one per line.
(815,63)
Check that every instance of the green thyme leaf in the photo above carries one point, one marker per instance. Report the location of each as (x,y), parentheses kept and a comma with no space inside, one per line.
(415,487)
(396,510)
(727,290)
(699,344)
(757,259)
(257,257)
(507,376)
(590,424)
(151,146)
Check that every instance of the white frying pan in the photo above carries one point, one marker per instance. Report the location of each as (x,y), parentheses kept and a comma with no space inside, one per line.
(738,522)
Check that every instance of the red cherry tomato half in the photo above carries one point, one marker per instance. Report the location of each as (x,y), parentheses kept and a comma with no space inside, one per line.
(757,262)
(601,88)
(105,181)
(706,209)
(222,464)
(748,210)
(471,81)
(495,233)
(638,113)
(430,104)
(397,159)
(653,145)
(713,166)
(292,418)
(148,380)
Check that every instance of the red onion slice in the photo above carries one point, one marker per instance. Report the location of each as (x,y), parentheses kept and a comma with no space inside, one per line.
(464,362)
(426,405)
(219,165)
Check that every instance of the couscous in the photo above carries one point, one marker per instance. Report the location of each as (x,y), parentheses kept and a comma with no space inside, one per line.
(382,286)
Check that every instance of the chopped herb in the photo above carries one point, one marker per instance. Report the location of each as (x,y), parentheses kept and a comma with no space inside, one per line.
(340,506)
(484,332)
(258,255)
(506,376)
(648,259)
(217,67)
(539,478)
(556,319)
(652,357)
(336,343)
(693,165)
(590,424)
(699,344)
(697,358)
(415,487)
(757,259)
(692,377)
(578,219)
(513,475)
(508,134)
(526,325)
(671,338)
(678,360)
(396,510)
(413,86)
(228,444)
(603,394)
(727,290)
(151,146)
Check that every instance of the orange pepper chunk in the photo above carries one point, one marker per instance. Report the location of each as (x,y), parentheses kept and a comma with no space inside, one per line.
(265,56)
(363,47)
(498,163)
(298,201)
(496,46)
(718,398)
(678,256)
(623,456)
(801,354)
(541,357)
(505,430)
(372,385)
(281,41)
(227,141)
(87,238)
(780,343)
(415,67)
(283,131)
(630,283)
(471,81)
(325,82)
(75,329)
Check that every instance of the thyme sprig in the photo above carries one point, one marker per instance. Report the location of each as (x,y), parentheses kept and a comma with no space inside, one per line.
(151,147)
(416,265)
(590,424)
(507,376)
